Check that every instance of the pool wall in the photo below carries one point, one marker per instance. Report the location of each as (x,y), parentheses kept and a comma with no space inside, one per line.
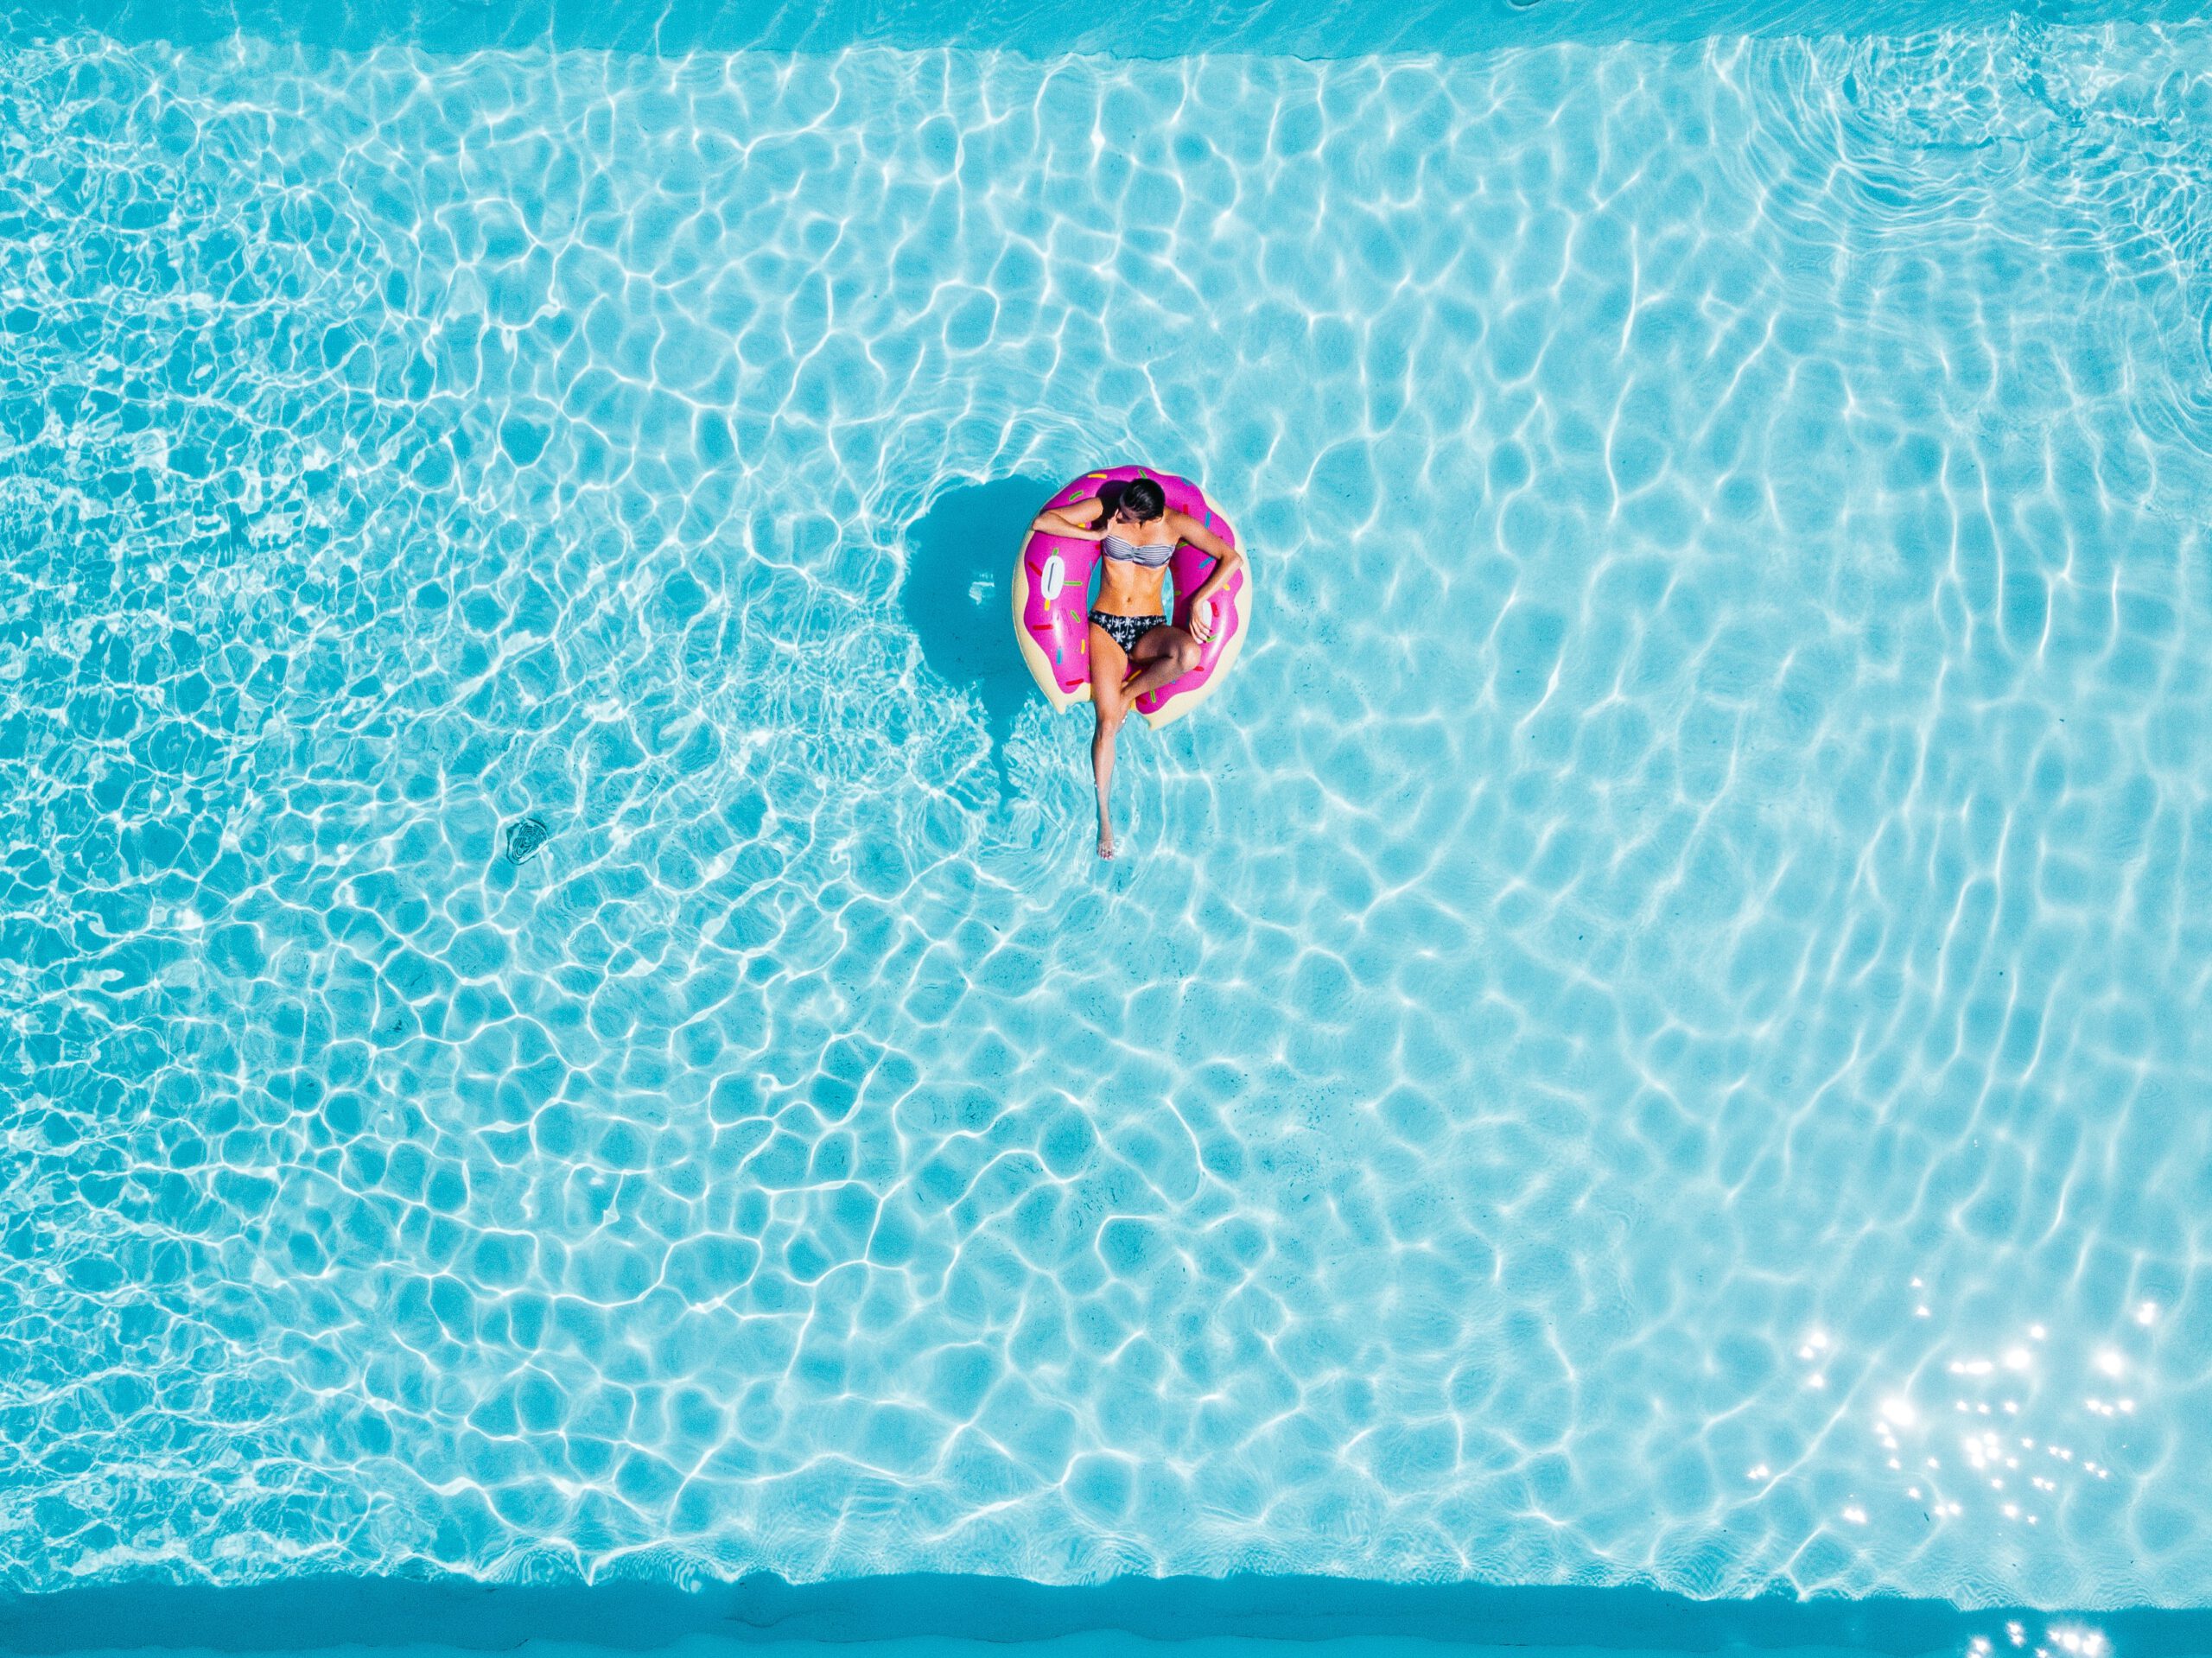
(463,1615)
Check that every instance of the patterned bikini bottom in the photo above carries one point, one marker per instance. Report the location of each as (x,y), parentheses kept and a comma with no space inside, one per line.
(1126,631)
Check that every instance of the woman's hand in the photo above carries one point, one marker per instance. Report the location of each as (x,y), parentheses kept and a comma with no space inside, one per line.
(1226,561)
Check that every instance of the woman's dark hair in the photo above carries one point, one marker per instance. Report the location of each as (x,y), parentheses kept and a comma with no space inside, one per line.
(1143,499)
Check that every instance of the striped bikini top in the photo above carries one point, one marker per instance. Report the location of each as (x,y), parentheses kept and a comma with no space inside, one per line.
(1131,552)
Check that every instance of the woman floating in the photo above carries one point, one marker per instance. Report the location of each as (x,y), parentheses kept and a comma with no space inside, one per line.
(1126,653)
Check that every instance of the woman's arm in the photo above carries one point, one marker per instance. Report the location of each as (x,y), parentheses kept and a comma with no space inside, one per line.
(1226,559)
(1074,520)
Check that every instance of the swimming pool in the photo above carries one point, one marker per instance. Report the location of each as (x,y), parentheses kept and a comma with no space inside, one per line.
(1649,1038)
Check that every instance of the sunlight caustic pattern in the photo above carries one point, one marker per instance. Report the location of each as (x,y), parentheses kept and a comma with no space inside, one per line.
(559,1015)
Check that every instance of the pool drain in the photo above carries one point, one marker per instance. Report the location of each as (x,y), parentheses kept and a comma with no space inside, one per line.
(524,838)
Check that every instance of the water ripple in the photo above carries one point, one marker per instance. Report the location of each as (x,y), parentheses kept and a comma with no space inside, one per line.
(1646,1037)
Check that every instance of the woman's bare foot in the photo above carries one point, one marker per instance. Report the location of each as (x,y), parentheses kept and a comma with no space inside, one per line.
(1105,841)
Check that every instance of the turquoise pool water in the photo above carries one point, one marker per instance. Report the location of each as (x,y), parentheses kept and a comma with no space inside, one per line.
(1651,1035)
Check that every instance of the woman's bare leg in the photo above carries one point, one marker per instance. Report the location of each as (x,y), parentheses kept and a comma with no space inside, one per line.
(1107,701)
(1161,656)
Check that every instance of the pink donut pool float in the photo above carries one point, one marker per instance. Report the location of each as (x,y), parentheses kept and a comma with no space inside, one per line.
(1051,603)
